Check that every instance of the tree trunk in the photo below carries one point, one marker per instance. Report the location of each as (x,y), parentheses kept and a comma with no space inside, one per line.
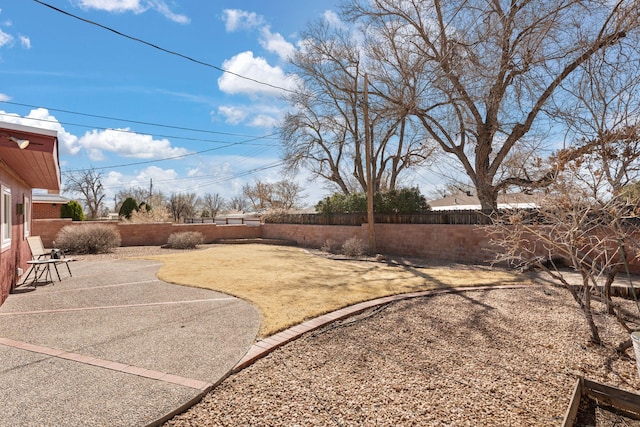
(586,308)
(487,195)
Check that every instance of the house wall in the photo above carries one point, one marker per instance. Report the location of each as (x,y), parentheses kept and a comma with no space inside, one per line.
(46,210)
(17,255)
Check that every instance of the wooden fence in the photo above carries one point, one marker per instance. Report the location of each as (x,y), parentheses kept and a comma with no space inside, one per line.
(460,217)
(224,221)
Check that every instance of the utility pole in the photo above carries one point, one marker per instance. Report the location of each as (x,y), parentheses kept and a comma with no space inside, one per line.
(368,155)
(150,189)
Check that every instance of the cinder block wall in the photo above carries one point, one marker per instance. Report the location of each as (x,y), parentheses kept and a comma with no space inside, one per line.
(458,243)
(147,234)
(314,236)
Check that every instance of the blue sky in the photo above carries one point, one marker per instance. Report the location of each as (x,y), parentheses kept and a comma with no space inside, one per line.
(53,66)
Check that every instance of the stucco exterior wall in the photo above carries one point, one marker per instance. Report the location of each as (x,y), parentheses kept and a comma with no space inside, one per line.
(17,254)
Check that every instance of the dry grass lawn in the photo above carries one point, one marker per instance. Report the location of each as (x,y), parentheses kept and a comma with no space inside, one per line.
(290,285)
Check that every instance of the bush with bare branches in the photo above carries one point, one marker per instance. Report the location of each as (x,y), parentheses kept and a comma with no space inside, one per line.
(185,240)
(88,239)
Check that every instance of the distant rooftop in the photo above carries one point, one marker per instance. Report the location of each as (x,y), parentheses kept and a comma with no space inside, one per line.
(49,198)
(464,201)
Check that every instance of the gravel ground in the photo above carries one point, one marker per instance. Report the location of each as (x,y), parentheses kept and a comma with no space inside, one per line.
(499,358)
(495,358)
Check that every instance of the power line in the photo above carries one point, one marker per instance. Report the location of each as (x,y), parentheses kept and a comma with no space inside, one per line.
(127,120)
(171,52)
(219,180)
(181,156)
(238,175)
(246,142)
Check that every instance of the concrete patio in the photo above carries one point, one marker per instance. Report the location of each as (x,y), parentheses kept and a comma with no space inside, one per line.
(115,346)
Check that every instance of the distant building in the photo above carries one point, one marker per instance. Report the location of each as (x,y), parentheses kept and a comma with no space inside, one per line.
(48,206)
(466,201)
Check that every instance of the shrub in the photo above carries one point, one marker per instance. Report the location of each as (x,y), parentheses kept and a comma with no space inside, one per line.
(353,247)
(143,215)
(185,240)
(88,239)
(274,215)
(403,201)
(340,203)
(128,206)
(72,210)
(329,246)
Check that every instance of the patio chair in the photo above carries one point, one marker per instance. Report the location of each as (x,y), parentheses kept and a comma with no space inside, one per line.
(42,260)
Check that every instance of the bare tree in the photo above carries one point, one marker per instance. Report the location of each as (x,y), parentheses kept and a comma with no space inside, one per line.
(212,204)
(182,205)
(478,74)
(578,228)
(238,203)
(587,219)
(279,195)
(88,185)
(325,133)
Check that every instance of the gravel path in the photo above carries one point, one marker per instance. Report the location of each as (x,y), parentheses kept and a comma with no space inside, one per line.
(501,357)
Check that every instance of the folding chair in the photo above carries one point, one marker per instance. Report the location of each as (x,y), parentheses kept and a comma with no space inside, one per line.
(42,261)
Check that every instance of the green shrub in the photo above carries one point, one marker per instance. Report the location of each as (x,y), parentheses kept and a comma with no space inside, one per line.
(403,201)
(353,247)
(185,240)
(72,210)
(88,239)
(128,206)
(339,203)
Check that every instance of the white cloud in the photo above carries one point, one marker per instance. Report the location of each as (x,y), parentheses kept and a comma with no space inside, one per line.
(4,97)
(127,144)
(264,121)
(257,68)
(255,115)
(233,115)
(154,173)
(40,118)
(162,7)
(274,42)
(25,42)
(5,39)
(333,19)
(162,179)
(236,19)
(134,6)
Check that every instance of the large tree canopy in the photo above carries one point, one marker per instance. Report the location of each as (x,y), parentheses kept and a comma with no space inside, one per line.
(325,132)
(480,74)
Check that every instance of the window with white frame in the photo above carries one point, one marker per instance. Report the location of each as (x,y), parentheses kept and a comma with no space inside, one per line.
(27,216)
(5,206)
